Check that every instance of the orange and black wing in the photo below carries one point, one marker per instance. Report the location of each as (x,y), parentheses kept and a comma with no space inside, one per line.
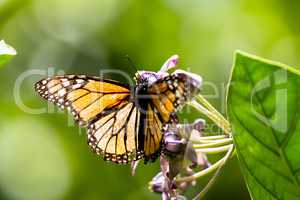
(114,135)
(150,133)
(104,106)
(85,97)
(166,96)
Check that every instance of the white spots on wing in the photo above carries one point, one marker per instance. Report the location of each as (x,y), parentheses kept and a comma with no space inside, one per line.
(82,76)
(170,84)
(80,81)
(76,86)
(81,123)
(62,92)
(175,84)
(177,94)
(66,83)
(44,82)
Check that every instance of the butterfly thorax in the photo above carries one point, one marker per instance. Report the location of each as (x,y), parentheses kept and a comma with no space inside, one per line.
(144,79)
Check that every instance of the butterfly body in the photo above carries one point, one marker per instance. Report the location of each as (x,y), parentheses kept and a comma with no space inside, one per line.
(123,123)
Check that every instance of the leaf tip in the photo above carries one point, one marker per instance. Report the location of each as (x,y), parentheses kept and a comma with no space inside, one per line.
(242,54)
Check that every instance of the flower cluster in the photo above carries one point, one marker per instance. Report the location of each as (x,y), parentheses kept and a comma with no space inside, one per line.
(185,148)
(178,157)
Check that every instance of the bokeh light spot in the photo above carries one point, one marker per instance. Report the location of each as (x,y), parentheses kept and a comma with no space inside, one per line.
(33,163)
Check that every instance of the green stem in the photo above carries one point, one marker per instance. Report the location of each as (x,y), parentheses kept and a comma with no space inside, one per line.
(208,139)
(206,171)
(213,137)
(211,108)
(215,176)
(213,143)
(214,150)
(208,110)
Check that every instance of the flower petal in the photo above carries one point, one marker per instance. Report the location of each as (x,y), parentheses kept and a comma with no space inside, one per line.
(170,63)
(157,183)
(199,124)
(173,143)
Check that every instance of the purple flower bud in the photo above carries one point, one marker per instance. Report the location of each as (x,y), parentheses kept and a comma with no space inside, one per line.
(165,196)
(157,183)
(199,124)
(173,143)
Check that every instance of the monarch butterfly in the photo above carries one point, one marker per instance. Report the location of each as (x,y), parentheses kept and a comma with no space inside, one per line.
(124,124)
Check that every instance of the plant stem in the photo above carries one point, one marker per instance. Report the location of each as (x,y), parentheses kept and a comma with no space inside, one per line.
(214,178)
(213,143)
(211,108)
(205,171)
(209,139)
(213,137)
(208,110)
(214,150)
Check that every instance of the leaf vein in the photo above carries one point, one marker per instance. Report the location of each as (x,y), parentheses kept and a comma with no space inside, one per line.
(256,138)
(283,156)
(255,178)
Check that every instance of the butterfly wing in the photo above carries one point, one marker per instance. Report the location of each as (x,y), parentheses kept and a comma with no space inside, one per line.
(104,106)
(114,135)
(86,97)
(150,134)
(166,96)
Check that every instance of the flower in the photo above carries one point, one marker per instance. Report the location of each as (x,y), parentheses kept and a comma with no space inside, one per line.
(173,144)
(170,63)
(178,157)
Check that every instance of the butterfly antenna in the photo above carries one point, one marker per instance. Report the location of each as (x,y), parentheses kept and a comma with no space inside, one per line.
(131,63)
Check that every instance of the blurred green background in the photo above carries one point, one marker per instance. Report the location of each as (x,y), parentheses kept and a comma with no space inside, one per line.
(45,156)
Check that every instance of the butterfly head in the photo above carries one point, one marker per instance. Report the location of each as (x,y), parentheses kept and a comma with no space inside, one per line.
(144,78)
(147,78)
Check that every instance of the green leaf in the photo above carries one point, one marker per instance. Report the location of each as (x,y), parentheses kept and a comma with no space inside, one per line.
(6,53)
(263,106)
